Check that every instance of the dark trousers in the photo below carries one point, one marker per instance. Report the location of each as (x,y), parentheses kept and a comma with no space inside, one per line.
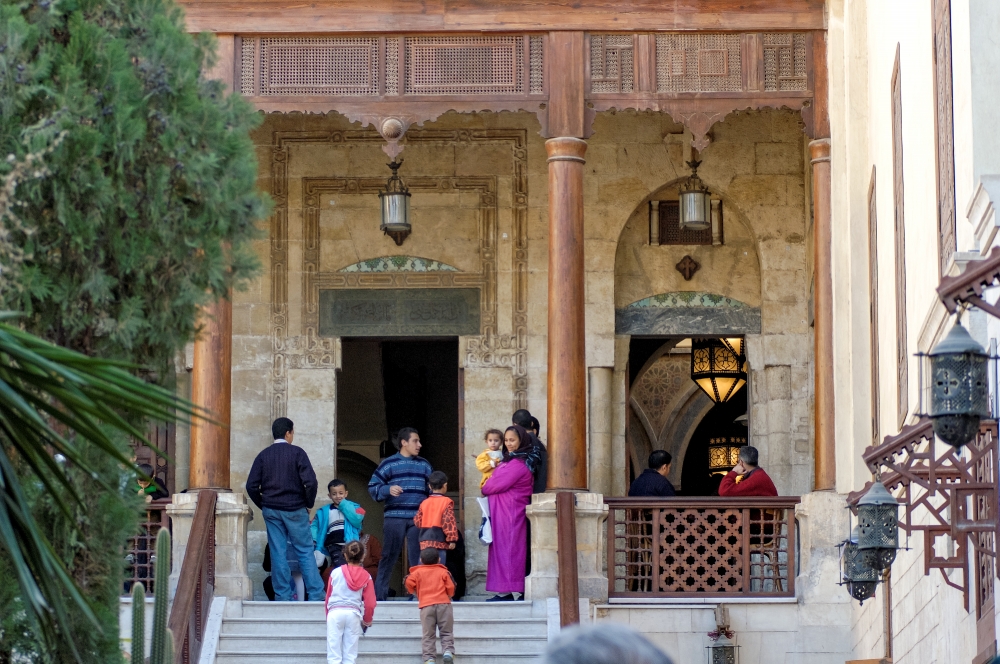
(394,533)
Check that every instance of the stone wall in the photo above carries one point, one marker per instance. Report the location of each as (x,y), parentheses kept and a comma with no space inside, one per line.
(480,219)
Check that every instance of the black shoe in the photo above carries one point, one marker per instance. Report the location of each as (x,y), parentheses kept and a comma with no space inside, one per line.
(509,597)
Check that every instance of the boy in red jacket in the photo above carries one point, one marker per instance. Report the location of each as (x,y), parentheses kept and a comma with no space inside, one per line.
(431,582)
(746,479)
(436,518)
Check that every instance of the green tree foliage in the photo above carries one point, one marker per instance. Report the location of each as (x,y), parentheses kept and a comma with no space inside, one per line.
(149,206)
(128,200)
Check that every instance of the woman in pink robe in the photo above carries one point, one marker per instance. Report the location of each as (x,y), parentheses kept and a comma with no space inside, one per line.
(509,493)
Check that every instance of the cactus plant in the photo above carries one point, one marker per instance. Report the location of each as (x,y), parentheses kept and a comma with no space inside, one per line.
(138,624)
(162,646)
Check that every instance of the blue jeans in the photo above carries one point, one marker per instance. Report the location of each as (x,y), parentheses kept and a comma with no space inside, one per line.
(286,529)
(395,533)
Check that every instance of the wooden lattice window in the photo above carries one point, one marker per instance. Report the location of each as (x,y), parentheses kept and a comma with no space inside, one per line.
(944,131)
(785,59)
(612,63)
(873,304)
(900,242)
(670,227)
(699,62)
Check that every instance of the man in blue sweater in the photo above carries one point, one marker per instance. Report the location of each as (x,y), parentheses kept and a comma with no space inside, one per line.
(400,482)
(283,485)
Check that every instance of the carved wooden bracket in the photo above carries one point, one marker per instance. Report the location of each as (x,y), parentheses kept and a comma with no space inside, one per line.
(956,489)
(687,267)
(968,287)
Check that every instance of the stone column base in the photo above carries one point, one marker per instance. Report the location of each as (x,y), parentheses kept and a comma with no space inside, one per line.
(591,513)
(232,514)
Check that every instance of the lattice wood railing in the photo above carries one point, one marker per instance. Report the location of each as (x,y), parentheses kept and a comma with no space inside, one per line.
(692,547)
(140,551)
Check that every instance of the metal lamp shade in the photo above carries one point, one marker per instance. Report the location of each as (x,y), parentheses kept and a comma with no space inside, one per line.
(395,204)
(695,202)
(878,526)
(736,344)
(723,651)
(959,393)
(858,573)
(716,369)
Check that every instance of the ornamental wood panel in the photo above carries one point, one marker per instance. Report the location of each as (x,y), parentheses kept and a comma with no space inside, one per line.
(902,356)
(701,546)
(944,133)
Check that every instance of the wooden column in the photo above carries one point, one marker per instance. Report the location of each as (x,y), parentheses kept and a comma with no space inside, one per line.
(211,375)
(211,389)
(825,452)
(567,366)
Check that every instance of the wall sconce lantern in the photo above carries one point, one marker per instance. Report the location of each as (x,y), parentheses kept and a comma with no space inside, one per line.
(695,202)
(878,526)
(959,393)
(723,650)
(857,572)
(395,202)
(716,369)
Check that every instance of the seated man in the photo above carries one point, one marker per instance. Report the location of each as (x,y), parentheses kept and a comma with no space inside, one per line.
(653,481)
(746,478)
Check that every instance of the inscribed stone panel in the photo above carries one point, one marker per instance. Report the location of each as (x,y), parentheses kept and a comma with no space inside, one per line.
(399,312)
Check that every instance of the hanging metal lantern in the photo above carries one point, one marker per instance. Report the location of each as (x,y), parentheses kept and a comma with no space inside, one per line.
(857,572)
(716,369)
(395,202)
(959,393)
(695,202)
(736,344)
(878,526)
(723,650)
(724,453)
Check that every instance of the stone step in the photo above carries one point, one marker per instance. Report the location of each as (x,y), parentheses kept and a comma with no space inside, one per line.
(408,657)
(313,645)
(390,610)
(251,628)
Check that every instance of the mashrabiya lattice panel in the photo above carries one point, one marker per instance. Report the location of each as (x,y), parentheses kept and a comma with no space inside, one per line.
(490,65)
(700,550)
(612,67)
(699,62)
(340,66)
(785,66)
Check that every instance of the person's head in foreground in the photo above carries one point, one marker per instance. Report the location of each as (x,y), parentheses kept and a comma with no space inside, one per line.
(603,644)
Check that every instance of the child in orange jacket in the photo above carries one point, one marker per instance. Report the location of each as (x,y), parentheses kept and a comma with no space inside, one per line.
(431,582)
(436,518)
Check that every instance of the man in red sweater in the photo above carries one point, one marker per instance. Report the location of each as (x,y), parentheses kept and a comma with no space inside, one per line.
(746,478)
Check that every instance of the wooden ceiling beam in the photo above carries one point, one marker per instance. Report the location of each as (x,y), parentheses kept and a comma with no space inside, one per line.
(328,16)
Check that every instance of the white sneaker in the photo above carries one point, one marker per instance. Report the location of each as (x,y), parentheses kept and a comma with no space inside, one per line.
(449,658)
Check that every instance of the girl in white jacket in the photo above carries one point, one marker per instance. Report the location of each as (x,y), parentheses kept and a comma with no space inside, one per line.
(350,605)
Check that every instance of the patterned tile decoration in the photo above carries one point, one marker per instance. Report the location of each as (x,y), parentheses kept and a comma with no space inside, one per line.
(399,264)
(687,299)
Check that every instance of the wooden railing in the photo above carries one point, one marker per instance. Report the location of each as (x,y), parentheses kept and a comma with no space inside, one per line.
(195,584)
(140,552)
(697,547)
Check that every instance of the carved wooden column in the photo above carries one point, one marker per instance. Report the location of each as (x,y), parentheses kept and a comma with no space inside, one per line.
(825,452)
(211,389)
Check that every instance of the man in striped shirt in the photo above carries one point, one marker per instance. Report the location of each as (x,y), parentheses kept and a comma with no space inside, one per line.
(400,482)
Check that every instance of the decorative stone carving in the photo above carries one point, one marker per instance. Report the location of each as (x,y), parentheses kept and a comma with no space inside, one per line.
(687,267)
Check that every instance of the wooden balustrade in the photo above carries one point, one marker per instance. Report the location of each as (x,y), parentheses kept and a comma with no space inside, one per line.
(195,584)
(140,552)
(695,547)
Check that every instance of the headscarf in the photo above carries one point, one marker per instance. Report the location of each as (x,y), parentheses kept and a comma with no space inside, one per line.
(527,451)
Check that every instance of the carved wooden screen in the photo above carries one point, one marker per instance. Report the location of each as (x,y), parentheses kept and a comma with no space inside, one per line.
(392,65)
(900,242)
(944,130)
(670,227)
(873,304)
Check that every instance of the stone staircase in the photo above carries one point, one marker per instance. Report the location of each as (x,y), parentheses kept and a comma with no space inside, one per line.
(295,633)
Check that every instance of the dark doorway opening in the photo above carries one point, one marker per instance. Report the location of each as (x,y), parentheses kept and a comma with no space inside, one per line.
(383,386)
(718,422)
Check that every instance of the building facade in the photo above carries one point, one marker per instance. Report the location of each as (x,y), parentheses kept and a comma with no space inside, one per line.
(822,131)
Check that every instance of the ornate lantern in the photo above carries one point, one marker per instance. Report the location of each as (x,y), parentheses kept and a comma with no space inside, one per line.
(857,572)
(738,345)
(395,202)
(878,526)
(723,650)
(695,202)
(716,369)
(724,453)
(959,393)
